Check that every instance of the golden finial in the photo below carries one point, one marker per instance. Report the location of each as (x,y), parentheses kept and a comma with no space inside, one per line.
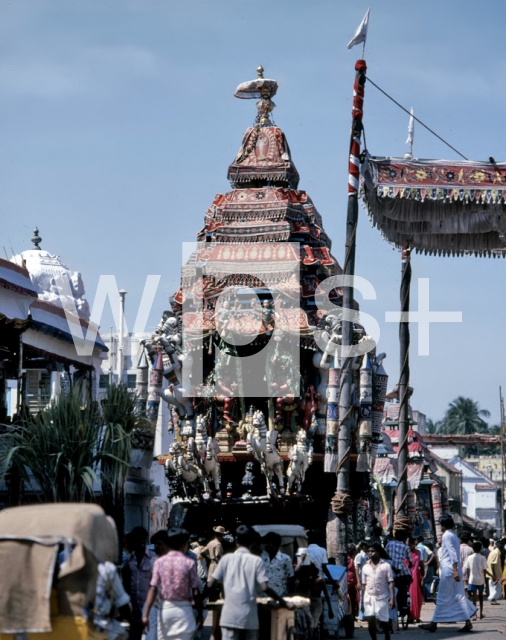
(260,71)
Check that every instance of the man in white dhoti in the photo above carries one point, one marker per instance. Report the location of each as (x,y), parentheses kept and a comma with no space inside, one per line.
(378,591)
(451,603)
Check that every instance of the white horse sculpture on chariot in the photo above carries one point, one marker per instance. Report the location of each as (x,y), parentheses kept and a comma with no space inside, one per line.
(261,443)
(208,450)
(301,457)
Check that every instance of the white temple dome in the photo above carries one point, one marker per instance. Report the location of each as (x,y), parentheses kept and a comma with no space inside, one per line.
(53,280)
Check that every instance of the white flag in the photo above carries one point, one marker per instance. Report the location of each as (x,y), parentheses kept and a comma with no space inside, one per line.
(361,32)
(411,129)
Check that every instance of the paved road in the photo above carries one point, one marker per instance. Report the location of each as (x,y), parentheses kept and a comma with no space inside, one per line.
(492,627)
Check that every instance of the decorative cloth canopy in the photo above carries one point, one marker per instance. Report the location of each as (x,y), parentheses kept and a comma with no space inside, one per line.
(387,472)
(438,206)
(264,155)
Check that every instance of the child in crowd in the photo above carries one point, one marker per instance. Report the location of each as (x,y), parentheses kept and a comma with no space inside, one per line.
(475,568)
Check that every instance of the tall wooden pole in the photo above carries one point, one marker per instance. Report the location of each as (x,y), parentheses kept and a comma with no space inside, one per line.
(342,503)
(404,339)
(502,460)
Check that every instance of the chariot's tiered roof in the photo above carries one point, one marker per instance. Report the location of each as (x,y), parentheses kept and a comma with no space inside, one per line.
(250,226)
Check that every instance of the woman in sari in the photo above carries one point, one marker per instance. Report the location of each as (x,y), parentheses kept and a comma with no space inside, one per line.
(353,580)
(415,588)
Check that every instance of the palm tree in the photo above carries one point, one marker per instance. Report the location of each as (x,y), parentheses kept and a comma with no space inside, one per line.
(433,427)
(464,417)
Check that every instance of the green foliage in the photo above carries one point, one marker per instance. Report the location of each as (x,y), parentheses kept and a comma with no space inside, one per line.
(433,427)
(464,417)
(119,421)
(70,445)
(491,449)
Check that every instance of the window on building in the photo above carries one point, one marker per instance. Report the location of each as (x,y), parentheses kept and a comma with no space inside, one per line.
(104,381)
(131,380)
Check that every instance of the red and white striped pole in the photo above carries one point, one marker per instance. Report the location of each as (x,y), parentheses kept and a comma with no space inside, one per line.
(356,128)
(343,493)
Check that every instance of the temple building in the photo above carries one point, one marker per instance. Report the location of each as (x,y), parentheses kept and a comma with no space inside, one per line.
(45,323)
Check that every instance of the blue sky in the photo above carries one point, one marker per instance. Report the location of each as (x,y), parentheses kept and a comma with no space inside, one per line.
(118,122)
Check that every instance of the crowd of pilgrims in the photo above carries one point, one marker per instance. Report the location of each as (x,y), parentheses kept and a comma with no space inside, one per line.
(161,591)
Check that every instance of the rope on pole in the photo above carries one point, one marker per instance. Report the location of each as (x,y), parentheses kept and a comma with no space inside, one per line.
(404,341)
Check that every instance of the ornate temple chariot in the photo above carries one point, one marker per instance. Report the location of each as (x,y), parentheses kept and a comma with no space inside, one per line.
(249,352)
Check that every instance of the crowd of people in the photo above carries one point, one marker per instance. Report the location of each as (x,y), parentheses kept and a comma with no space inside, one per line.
(166,587)
(394,575)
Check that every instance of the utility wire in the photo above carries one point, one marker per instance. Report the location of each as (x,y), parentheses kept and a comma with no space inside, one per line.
(415,118)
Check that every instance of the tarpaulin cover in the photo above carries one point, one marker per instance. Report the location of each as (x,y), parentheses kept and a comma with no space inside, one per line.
(438,206)
(27,572)
(29,540)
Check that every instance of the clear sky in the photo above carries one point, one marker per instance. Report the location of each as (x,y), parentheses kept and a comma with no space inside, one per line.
(118,122)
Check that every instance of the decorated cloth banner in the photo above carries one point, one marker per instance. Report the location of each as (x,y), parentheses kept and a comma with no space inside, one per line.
(445,505)
(365,458)
(155,387)
(437,509)
(332,426)
(442,207)
(412,509)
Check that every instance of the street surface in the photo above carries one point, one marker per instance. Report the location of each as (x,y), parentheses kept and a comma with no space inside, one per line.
(492,627)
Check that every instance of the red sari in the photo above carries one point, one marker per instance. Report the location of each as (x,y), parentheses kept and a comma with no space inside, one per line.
(351,574)
(415,588)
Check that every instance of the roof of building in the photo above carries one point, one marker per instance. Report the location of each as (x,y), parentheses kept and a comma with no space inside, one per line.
(474,524)
(444,463)
(474,472)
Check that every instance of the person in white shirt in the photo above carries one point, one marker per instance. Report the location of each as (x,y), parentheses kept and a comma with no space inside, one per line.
(360,559)
(475,568)
(278,565)
(378,597)
(451,602)
(465,552)
(318,556)
(242,575)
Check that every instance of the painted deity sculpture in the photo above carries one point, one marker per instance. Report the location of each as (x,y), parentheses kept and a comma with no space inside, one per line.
(208,449)
(167,337)
(310,405)
(322,389)
(183,465)
(301,457)
(248,479)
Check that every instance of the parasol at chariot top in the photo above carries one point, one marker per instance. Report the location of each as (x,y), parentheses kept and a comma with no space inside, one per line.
(259,88)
